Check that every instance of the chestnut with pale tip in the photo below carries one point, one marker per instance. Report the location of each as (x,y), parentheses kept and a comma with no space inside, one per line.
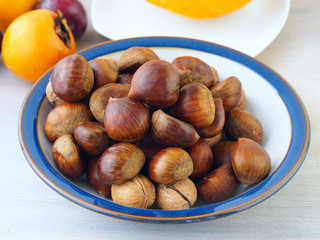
(138,192)
(67,156)
(178,195)
(195,105)
(94,180)
(126,119)
(72,78)
(120,162)
(100,98)
(192,69)
(218,185)
(173,132)
(155,83)
(170,165)
(250,161)
(242,124)
(64,118)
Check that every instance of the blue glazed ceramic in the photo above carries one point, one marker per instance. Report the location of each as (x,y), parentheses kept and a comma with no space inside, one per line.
(269,97)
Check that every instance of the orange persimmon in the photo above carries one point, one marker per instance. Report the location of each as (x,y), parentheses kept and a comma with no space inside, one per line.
(36,41)
(200,9)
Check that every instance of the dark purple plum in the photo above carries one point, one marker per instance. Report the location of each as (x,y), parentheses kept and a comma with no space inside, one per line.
(72,10)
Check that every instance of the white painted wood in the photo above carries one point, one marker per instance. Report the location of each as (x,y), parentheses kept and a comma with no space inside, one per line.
(29,209)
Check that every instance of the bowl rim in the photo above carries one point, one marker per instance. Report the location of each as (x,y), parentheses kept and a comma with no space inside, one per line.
(300,140)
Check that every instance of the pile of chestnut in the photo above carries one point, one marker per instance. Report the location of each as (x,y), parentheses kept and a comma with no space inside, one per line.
(153,133)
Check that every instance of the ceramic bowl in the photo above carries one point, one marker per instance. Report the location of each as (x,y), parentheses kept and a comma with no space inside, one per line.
(269,97)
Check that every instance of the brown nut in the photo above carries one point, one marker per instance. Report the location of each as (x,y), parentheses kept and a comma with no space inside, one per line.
(155,83)
(92,137)
(218,122)
(138,192)
(120,162)
(67,156)
(250,161)
(214,140)
(242,124)
(229,91)
(218,185)
(170,165)
(134,57)
(149,146)
(175,196)
(242,102)
(100,98)
(126,119)
(94,180)
(191,69)
(72,78)
(222,152)
(195,105)
(52,97)
(125,78)
(202,158)
(105,70)
(64,118)
(171,131)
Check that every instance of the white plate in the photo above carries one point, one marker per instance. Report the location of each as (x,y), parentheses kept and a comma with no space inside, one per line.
(250,29)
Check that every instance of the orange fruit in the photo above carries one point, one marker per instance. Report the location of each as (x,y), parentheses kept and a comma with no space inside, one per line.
(36,41)
(10,9)
(200,9)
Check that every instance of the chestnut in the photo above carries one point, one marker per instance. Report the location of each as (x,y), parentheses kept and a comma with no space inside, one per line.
(215,139)
(126,119)
(72,78)
(92,137)
(125,78)
(170,165)
(94,180)
(120,162)
(171,131)
(67,156)
(222,152)
(202,158)
(195,105)
(155,83)
(218,185)
(250,161)
(100,98)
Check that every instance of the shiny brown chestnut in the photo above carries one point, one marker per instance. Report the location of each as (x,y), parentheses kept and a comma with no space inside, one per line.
(229,91)
(64,118)
(170,165)
(67,156)
(92,137)
(202,158)
(120,162)
(214,140)
(195,105)
(242,102)
(250,161)
(155,83)
(222,152)
(105,70)
(94,180)
(242,124)
(134,57)
(125,78)
(192,69)
(218,122)
(72,78)
(218,185)
(171,131)
(126,119)
(100,98)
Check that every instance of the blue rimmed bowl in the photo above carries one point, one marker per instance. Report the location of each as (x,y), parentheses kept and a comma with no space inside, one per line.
(269,97)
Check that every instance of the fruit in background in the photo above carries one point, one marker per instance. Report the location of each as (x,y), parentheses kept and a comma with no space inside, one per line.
(9,10)
(34,42)
(0,40)
(201,9)
(72,10)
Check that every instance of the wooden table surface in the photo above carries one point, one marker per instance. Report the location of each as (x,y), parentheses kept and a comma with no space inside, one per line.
(29,209)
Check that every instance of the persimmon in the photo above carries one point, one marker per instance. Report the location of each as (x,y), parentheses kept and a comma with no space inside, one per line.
(36,41)
(201,9)
(11,9)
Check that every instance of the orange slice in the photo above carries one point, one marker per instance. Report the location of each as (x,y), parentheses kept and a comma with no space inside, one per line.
(200,9)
